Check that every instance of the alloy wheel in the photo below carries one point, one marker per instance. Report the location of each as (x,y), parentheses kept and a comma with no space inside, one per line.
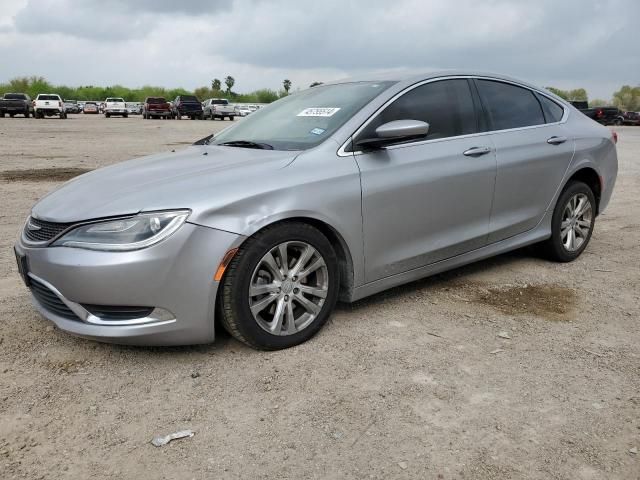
(577,219)
(288,288)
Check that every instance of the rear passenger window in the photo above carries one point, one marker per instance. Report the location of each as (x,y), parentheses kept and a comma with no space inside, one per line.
(509,106)
(446,105)
(552,111)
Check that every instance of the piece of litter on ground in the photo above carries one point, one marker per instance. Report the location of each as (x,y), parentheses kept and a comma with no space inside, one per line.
(163,440)
(497,350)
(403,465)
(593,353)
(504,335)
(634,450)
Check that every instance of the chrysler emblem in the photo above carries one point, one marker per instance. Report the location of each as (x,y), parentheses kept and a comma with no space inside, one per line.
(33,227)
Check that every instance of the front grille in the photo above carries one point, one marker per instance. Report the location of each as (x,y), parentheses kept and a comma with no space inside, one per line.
(44,231)
(50,300)
(109,312)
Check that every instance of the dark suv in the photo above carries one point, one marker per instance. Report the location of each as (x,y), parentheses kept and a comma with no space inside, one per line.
(16,103)
(187,106)
(156,107)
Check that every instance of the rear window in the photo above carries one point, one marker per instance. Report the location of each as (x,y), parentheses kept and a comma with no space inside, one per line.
(15,96)
(156,100)
(189,98)
(510,106)
(220,102)
(48,97)
(552,111)
(114,100)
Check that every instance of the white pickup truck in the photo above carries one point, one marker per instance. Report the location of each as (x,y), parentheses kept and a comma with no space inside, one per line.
(115,106)
(218,108)
(49,104)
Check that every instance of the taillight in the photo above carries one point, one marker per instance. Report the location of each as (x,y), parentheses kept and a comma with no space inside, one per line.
(599,113)
(59,104)
(614,136)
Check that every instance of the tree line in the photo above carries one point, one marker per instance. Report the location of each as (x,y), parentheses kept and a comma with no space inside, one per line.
(34,85)
(626,99)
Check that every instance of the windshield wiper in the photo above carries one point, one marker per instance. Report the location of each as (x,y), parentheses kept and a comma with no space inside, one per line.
(247,144)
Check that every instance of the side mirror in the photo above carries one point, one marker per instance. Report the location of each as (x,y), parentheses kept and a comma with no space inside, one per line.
(394,132)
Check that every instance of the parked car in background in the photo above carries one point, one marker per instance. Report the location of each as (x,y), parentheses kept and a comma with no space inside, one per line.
(90,107)
(218,108)
(631,118)
(71,106)
(115,106)
(602,115)
(16,104)
(49,105)
(134,108)
(262,227)
(243,110)
(156,107)
(187,106)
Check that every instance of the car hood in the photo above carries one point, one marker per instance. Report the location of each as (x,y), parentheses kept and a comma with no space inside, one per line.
(196,178)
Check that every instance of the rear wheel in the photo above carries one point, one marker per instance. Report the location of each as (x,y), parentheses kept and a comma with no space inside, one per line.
(26,114)
(280,288)
(12,115)
(572,223)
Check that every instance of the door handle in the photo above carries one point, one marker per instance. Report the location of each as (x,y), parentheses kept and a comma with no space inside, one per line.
(556,140)
(477,151)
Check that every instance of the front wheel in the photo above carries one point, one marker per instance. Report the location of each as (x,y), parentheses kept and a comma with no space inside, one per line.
(280,288)
(572,223)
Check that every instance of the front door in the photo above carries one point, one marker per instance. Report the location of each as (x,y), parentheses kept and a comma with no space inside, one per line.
(426,201)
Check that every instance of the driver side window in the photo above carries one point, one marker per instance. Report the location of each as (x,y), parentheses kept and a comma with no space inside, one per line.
(446,105)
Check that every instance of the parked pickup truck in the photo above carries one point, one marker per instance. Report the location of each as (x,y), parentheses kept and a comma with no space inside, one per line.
(218,108)
(49,105)
(603,115)
(16,103)
(115,106)
(156,107)
(631,118)
(187,106)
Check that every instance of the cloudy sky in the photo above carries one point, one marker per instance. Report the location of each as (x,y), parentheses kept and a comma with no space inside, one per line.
(563,43)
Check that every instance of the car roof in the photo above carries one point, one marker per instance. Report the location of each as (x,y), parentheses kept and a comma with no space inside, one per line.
(411,76)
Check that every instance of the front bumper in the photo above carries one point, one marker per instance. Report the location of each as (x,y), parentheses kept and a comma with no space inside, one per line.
(174,276)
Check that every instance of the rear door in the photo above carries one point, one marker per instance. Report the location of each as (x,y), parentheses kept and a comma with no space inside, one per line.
(428,200)
(533,151)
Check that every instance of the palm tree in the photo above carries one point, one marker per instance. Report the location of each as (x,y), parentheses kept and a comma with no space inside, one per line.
(287,85)
(229,82)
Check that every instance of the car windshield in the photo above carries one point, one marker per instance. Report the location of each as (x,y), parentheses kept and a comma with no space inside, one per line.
(156,100)
(303,120)
(48,97)
(114,100)
(187,98)
(15,96)
(220,102)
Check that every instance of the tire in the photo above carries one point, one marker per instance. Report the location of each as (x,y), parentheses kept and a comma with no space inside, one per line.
(232,118)
(12,115)
(1,114)
(617,122)
(559,249)
(178,117)
(248,266)
(126,115)
(26,114)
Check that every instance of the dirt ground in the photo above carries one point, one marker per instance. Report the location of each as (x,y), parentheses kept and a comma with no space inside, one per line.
(509,368)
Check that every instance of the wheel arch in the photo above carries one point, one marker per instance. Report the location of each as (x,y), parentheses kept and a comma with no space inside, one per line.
(590,176)
(340,246)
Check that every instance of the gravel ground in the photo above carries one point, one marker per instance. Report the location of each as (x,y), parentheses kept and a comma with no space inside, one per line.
(509,368)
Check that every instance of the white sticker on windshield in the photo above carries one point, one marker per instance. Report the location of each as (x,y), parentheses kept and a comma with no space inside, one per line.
(318,112)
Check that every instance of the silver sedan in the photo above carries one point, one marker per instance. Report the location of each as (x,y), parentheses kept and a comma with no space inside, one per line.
(334,193)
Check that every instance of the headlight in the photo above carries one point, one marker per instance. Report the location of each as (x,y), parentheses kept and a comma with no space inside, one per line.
(123,234)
